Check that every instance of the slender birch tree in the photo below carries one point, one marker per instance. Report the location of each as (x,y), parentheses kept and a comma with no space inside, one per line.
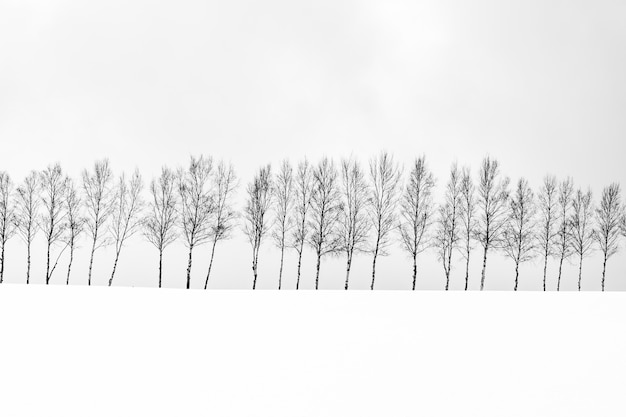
(303,194)
(417,212)
(385,175)
(564,236)
(519,239)
(75,221)
(224,186)
(126,217)
(493,195)
(196,205)
(548,217)
(54,217)
(354,225)
(583,233)
(161,221)
(259,202)
(7,217)
(284,200)
(469,224)
(27,214)
(608,216)
(448,234)
(97,201)
(326,210)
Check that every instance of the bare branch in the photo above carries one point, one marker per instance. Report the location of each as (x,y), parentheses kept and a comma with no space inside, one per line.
(583,233)
(609,215)
(54,218)
(448,236)
(27,214)
(469,224)
(303,194)
(284,190)
(548,217)
(8,218)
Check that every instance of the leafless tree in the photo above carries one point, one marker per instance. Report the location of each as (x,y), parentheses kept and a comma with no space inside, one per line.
(126,215)
(27,216)
(224,186)
(608,216)
(548,211)
(160,222)
(469,223)
(417,212)
(7,217)
(284,199)
(325,213)
(303,194)
(259,202)
(75,221)
(448,234)
(583,233)
(519,240)
(54,218)
(196,205)
(354,225)
(493,195)
(564,236)
(96,186)
(385,175)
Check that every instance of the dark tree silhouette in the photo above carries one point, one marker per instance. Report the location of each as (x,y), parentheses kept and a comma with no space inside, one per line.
(469,223)
(448,235)
(27,214)
(548,216)
(583,233)
(284,199)
(608,216)
(54,218)
(196,205)
(259,202)
(416,212)
(126,215)
(325,213)
(303,194)
(160,222)
(493,195)
(224,185)
(385,177)
(7,217)
(519,240)
(353,224)
(96,186)
(564,236)
(75,221)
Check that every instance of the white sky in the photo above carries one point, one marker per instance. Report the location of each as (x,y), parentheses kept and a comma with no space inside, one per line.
(538,85)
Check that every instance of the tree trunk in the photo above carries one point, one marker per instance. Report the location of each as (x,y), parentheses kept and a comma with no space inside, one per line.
(580,272)
(299,266)
(348,266)
(69,266)
(374,262)
(2,263)
(545,270)
(603,271)
(189,267)
(160,266)
(93,249)
(449,269)
(516,275)
(280,273)
(208,274)
(48,264)
(467,262)
(414,270)
(317,271)
(28,263)
(254,266)
(558,282)
(482,278)
(117,257)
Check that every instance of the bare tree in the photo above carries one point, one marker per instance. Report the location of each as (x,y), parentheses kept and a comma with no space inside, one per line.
(196,205)
(96,186)
(468,218)
(161,219)
(75,221)
(224,185)
(325,213)
(608,216)
(564,235)
(448,235)
(519,240)
(7,217)
(548,211)
(257,207)
(27,216)
(284,189)
(54,218)
(416,212)
(492,206)
(354,224)
(385,177)
(583,233)
(126,216)
(303,194)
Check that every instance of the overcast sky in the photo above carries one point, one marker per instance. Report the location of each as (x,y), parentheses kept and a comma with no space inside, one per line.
(538,85)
